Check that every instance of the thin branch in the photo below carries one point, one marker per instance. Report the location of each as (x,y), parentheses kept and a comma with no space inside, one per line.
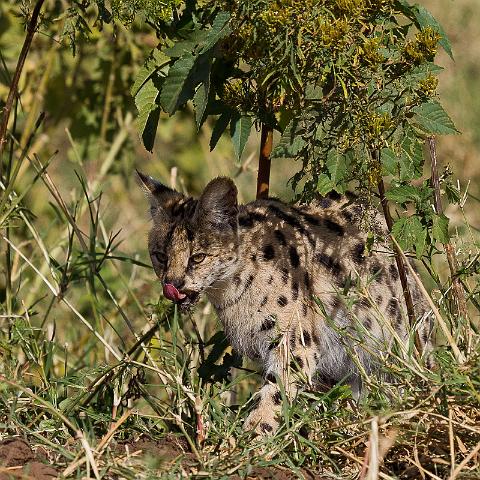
(401,267)
(263,178)
(31,29)
(457,290)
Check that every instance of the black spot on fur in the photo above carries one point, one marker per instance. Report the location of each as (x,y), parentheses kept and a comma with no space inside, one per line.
(282,300)
(379,300)
(425,335)
(264,301)
(350,195)
(274,344)
(277,398)
(393,271)
(236,280)
(334,195)
(280,237)
(307,339)
(328,262)
(258,217)
(304,308)
(334,227)
(306,280)
(294,258)
(357,253)
(315,339)
(364,303)
(335,303)
(392,308)
(253,258)
(311,219)
(245,221)
(285,275)
(270,280)
(376,271)
(293,341)
(267,324)
(271,378)
(296,363)
(249,281)
(397,321)
(325,202)
(347,215)
(248,219)
(292,221)
(367,323)
(315,357)
(294,291)
(265,427)
(268,252)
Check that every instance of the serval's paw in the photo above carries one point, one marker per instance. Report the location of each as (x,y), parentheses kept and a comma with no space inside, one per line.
(262,421)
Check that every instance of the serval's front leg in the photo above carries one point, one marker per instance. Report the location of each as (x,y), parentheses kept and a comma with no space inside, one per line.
(289,361)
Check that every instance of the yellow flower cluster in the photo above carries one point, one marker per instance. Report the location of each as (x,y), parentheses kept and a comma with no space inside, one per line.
(376,124)
(333,32)
(369,51)
(424,47)
(428,86)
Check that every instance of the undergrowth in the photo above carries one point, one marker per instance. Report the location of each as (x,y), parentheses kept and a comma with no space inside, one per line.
(90,371)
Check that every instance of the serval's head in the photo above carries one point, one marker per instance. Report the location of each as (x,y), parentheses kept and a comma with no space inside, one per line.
(193,243)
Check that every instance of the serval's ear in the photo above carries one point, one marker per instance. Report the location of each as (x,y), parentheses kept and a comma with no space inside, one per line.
(162,198)
(217,206)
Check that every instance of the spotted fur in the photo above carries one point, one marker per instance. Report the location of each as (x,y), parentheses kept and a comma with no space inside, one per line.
(292,285)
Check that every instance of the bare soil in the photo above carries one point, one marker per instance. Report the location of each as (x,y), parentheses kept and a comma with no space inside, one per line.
(165,449)
(18,460)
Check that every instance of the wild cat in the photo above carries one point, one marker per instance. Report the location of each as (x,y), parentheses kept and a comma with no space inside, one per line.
(292,285)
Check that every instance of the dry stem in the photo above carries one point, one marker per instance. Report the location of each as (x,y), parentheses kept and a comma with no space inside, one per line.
(264,162)
(31,29)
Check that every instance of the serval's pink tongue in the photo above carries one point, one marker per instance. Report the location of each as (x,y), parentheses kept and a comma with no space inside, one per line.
(172,293)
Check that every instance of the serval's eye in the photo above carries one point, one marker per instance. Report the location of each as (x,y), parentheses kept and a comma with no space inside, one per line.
(198,258)
(159,257)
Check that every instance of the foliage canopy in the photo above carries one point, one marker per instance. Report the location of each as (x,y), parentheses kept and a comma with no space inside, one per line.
(349,84)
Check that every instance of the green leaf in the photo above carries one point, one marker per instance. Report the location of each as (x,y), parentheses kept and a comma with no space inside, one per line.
(220,29)
(440,228)
(337,165)
(402,194)
(187,45)
(220,126)
(240,127)
(432,119)
(200,101)
(406,162)
(148,112)
(156,63)
(324,184)
(178,87)
(420,72)
(452,192)
(291,143)
(410,234)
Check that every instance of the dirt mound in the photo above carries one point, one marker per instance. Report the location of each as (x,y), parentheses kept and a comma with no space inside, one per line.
(17,460)
(165,449)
